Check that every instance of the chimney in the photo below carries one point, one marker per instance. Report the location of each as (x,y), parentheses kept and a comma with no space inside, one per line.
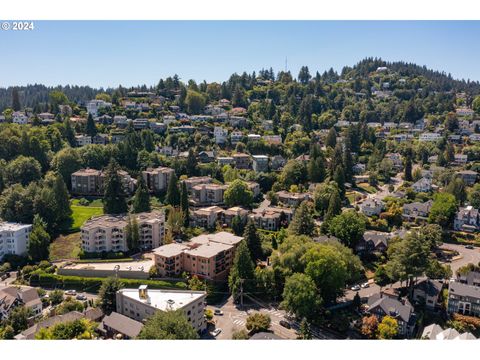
(143,292)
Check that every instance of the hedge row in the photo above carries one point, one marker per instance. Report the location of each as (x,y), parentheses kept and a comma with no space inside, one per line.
(92,284)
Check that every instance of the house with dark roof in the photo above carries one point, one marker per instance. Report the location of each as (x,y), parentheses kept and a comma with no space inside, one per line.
(428,292)
(29,334)
(467,219)
(373,241)
(12,297)
(417,211)
(117,324)
(381,305)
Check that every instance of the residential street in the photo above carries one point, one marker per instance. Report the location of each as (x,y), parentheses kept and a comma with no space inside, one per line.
(466,256)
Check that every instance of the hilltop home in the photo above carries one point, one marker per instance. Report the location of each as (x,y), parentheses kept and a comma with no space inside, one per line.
(373,241)
(469,177)
(220,135)
(107,232)
(428,292)
(467,219)
(272,218)
(82,140)
(142,303)
(260,163)
(242,161)
(428,136)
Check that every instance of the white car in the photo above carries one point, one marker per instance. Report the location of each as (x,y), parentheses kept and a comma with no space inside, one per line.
(218,312)
(71,292)
(355,288)
(216,332)
(365,285)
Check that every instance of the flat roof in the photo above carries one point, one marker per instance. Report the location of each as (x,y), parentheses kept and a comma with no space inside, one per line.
(169,250)
(208,249)
(222,237)
(165,300)
(123,266)
(10,226)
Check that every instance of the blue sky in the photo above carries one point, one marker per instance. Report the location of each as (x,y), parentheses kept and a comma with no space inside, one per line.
(109,53)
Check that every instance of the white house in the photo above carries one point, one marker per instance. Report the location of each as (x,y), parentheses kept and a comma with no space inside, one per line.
(19,117)
(14,238)
(422,185)
(236,136)
(371,207)
(83,140)
(94,105)
(220,135)
(429,136)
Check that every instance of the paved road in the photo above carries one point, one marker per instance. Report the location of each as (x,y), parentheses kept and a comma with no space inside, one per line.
(5,283)
(234,318)
(466,256)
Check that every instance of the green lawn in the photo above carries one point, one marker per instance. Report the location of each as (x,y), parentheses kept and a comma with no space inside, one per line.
(82,214)
(65,247)
(367,187)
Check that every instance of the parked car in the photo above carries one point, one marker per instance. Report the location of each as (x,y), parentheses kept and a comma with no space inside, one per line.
(81,297)
(471,247)
(216,332)
(365,285)
(71,292)
(218,312)
(285,324)
(355,288)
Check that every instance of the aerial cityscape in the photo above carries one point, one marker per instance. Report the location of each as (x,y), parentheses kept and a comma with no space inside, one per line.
(274,204)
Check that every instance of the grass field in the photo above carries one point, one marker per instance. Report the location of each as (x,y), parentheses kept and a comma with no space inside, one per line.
(65,247)
(368,188)
(82,214)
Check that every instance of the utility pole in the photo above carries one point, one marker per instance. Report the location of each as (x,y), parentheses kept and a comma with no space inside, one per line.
(241,292)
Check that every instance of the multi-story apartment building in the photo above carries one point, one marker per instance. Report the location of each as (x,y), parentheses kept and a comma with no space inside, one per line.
(207,194)
(14,238)
(196,180)
(139,304)
(157,179)
(94,105)
(90,182)
(108,232)
(207,256)
(272,218)
(207,217)
(292,199)
(463,299)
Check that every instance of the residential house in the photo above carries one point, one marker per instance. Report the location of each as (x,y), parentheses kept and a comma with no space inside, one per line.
(469,177)
(20,118)
(428,292)
(93,106)
(272,218)
(236,137)
(422,185)
(82,140)
(29,334)
(242,161)
(372,207)
(272,139)
(435,332)
(292,199)
(417,211)
(12,297)
(467,219)
(206,157)
(373,242)
(115,326)
(460,159)
(429,136)
(381,305)
(220,135)
(225,160)
(260,163)
(396,160)
(230,213)
(277,162)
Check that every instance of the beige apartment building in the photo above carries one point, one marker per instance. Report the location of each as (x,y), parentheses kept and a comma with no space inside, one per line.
(157,179)
(139,304)
(90,182)
(208,194)
(207,256)
(271,218)
(196,180)
(107,232)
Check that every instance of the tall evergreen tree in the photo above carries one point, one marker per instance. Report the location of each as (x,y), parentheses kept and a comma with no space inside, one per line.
(339,178)
(302,222)
(348,165)
(39,240)
(238,225)
(132,233)
(191,163)
(70,133)
(114,199)
(141,199)
(242,273)
(334,206)
(173,194)
(408,168)
(253,241)
(331,139)
(15,100)
(184,204)
(91,129)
